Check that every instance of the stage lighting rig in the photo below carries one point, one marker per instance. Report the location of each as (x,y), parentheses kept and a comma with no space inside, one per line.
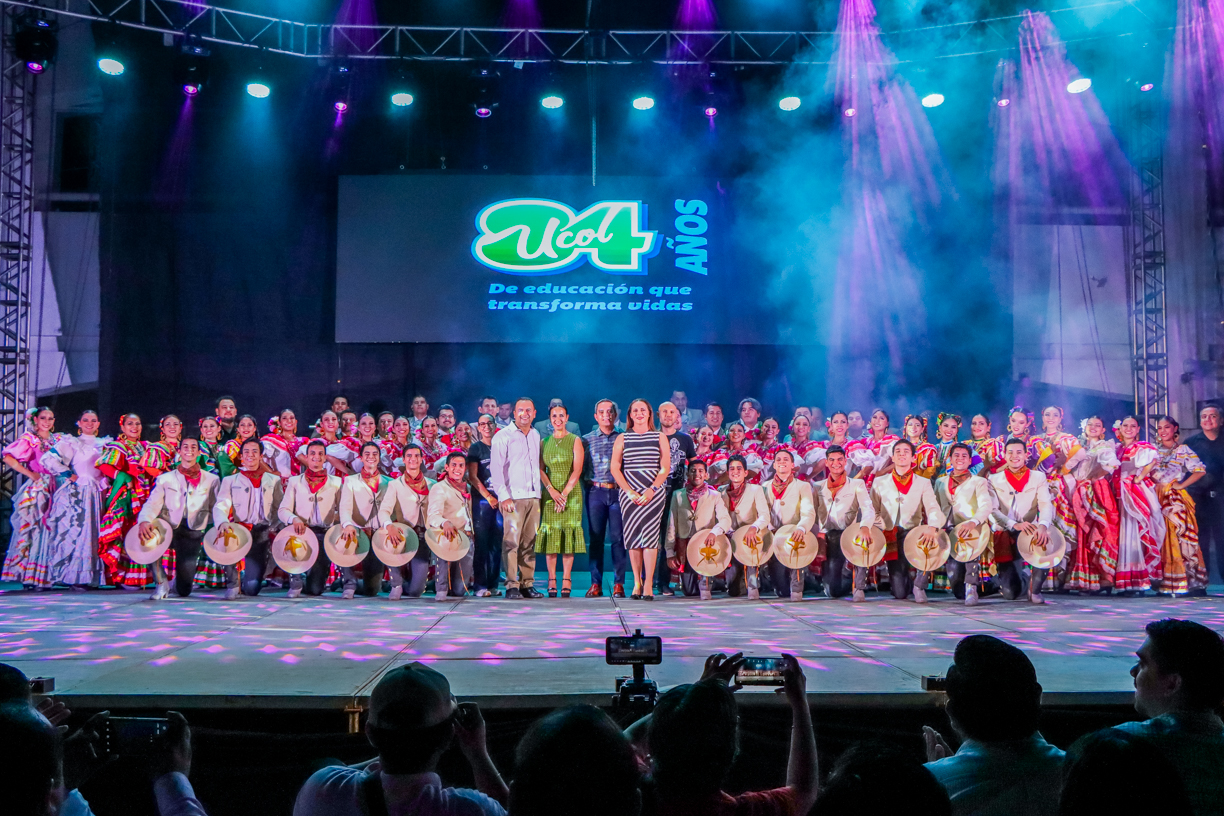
(191,67)
(35,42)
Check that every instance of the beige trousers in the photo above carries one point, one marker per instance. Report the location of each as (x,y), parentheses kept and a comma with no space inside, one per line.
(518,542)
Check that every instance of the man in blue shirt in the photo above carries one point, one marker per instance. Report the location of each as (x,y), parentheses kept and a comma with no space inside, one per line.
(602,502)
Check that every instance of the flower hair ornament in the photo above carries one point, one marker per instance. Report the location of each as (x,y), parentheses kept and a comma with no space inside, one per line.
(274,424)
(1117,428)
(1028,415)
(939,420)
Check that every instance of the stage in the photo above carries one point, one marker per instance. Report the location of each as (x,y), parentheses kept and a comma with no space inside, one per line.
(121,651)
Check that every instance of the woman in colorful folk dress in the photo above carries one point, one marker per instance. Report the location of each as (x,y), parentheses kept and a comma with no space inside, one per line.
(159,457)
(462,438)
(432,448)
(67,551)
(766,445)
(130,487)
(1065,454)
(212,459)
(736,445)
(1022,425)
(809,454)
(393,446)
(30,504)
(283,450)
(707,452)
(561,457)
(986,447)
(1094,561)
(1142,532)
(210,445)
(328,430)
(1178,467)
(947,429)
(871,455)
(926,456)
(244,428)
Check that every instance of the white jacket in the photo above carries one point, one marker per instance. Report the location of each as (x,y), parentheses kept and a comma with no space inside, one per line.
(842,511)
(897,510)
(359,504)
(752,509)
(687,520)
(250,505)
(1032,504)
(974,500)
(403,504)
(795,507)
(320,509)
(173,499)
(448,504)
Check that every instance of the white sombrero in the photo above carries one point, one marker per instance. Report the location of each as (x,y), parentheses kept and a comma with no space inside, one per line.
(795,554)
(926,557)
(1047,557)
(752,556)
(708,554)
(864,552)
(147,551)
(341,555)
(294,553)
(395,556)
(970,549)
(447,549)
(235,543)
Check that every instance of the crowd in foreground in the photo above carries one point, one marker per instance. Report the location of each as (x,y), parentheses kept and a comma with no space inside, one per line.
(680,498)
(674,762)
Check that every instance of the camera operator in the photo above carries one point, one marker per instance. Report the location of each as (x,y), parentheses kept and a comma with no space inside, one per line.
(688,782)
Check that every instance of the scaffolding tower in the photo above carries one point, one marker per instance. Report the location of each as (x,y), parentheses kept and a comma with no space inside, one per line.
(16,216)
(1149,318)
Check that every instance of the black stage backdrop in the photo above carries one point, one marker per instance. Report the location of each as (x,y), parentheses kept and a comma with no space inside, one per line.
(218,248)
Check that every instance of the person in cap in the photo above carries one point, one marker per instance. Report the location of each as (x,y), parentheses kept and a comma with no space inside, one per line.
(1004,765)
(1179,686)
(413,721)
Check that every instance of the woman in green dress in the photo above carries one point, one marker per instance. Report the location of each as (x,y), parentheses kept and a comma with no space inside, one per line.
(561,516)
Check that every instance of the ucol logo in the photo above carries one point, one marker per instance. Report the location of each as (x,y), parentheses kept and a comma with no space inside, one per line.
(535,236)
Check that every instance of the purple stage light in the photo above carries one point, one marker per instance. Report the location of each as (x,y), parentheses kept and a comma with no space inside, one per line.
(849,112)
(341,106)
(35,67)
(711,111)
(1003,103)
(1196,106)
(483,113)
(1147,86)
(362,14)
(191,89)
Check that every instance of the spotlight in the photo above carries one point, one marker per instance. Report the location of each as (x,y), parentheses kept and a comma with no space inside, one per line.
(1147,86)
(191,67)
(35,43)
(1080,85)
(643,103)
(112,67)
(341,106)
(483,113)
(258,90)
(789,103)
(1003,103)
(552,102)
(711,111)
(484,90)
(849,112)
(932,100)
(401,100)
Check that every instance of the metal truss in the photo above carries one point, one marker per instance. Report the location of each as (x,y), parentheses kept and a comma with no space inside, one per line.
(1149,320)
(206,23)
(16,215)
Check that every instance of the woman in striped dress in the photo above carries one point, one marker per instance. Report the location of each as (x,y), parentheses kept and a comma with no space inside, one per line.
(641,461)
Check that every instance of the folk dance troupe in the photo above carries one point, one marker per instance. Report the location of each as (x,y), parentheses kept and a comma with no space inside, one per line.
(684,500)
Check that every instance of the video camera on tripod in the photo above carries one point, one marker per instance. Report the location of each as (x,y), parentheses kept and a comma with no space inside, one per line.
(635,694)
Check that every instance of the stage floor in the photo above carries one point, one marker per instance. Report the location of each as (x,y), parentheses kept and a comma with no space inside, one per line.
(120,650)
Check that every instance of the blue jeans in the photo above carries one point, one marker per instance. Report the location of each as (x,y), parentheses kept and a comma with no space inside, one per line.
(487,530)
(604,517)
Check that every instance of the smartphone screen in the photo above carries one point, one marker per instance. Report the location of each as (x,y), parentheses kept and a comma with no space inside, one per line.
(627,651)
(760,671)
(134,736)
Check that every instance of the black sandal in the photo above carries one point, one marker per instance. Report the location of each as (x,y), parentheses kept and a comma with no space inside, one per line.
(552,587)
(565,588)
